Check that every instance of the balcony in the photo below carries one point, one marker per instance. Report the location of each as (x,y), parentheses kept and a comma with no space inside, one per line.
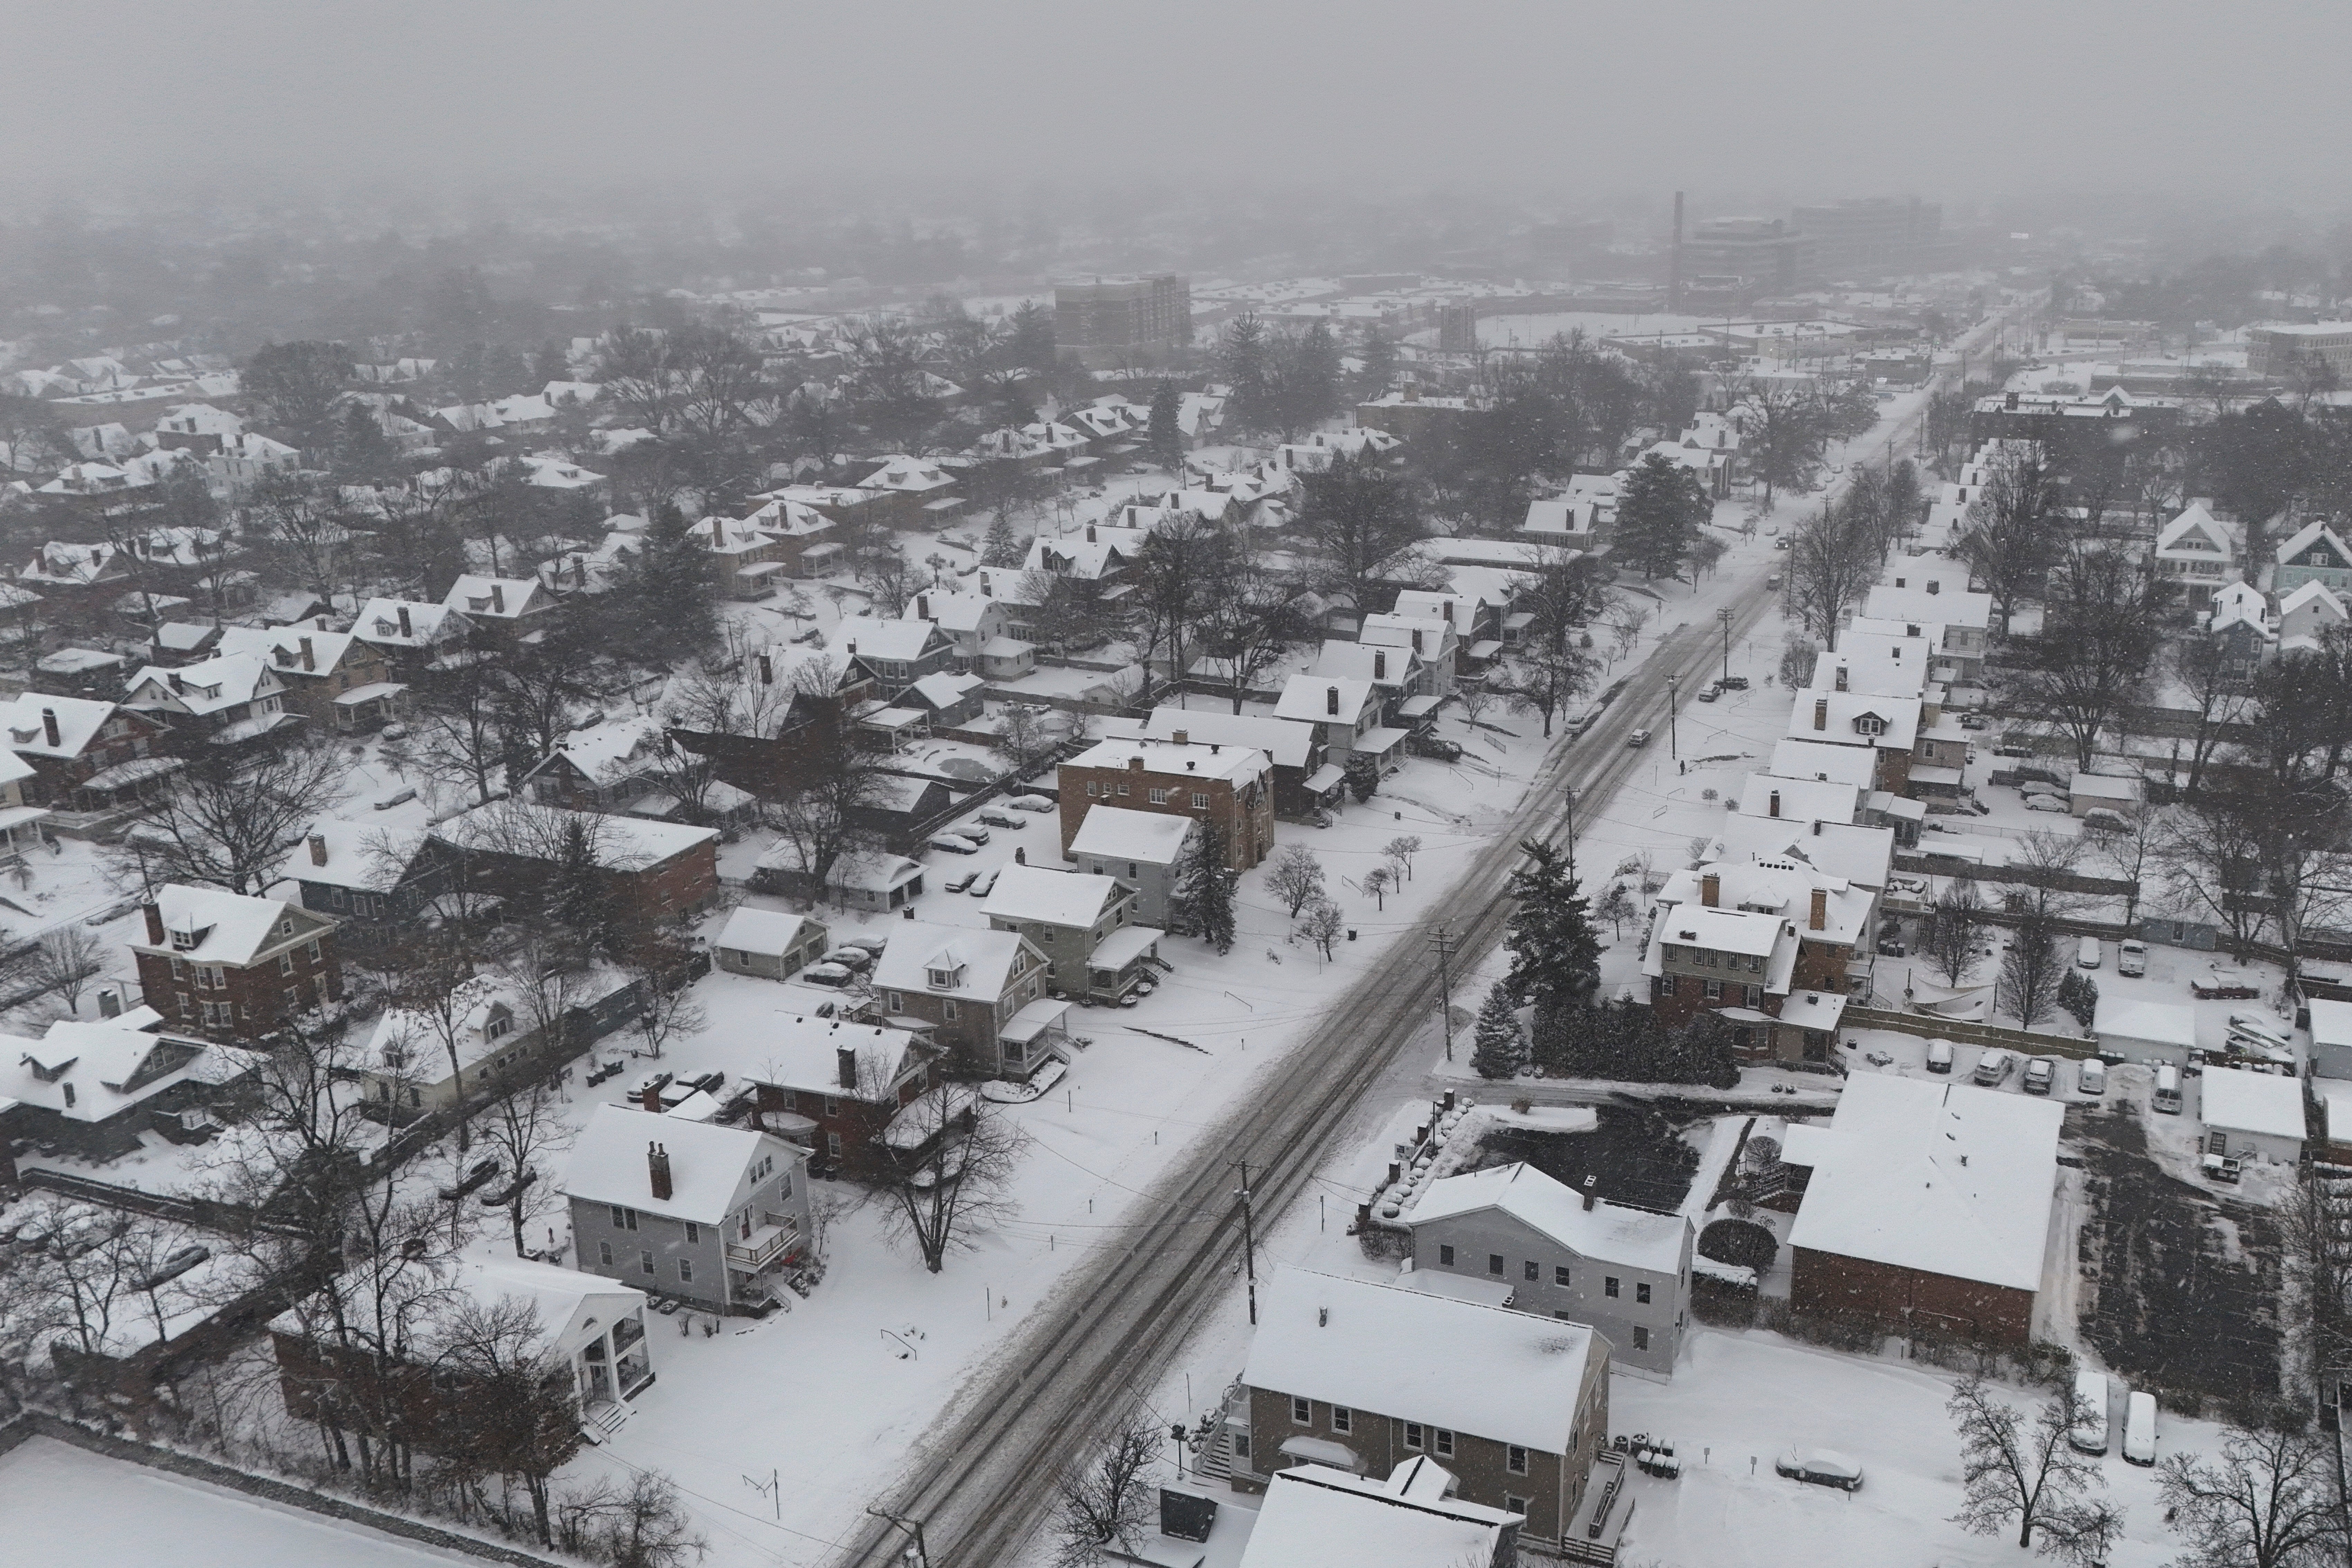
(760,1251)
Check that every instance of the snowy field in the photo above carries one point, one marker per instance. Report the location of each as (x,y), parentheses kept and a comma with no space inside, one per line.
(63,1506)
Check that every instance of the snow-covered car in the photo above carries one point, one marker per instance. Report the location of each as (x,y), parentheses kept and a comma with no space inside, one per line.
(1638,737)
(985,882)
(1975,721)
(952,843)
(1733,683)
(834,974)
(868,941)
(1029,802)
(2045,803)
(2012,751)
(960,880)
(849,958)
(978,835)
(1003,819)
(1711,691)
(1821,1468)
(2220,982)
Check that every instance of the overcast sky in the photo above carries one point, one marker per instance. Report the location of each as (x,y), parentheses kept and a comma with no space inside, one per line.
(1960,100)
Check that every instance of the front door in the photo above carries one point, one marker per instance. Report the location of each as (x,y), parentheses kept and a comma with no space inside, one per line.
(600,1381)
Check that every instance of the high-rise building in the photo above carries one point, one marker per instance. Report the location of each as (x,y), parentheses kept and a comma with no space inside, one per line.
(1877,231)
(1772,256)
(1124,312)
(1457,328)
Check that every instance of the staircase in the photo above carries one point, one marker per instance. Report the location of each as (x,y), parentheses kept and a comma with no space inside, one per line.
(604,1420)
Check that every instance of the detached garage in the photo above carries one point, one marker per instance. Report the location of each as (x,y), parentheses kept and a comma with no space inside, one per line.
(2252,1115)
(2146,1031)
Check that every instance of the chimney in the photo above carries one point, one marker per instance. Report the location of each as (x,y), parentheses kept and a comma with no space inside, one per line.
(579,571)
(1379,664)
(309,661)
(845,1059)
(403,623)
(985,592)
(1591,1192)
(1331,701)
(50,728)
(1776,804)
(922,607)
(1416,640)
(1934,587)
(154,924)
(498,599)
(2009,402)
(657,1168)
(317,849)
(1820,713)
(1447,612)
(1183,737)
(1841,678)
(1710,890)
(1135,765)
(1020,856)
(1817,827)
(1821,920)
(178,685)
(649,1098)
(767,671)
(1090,533)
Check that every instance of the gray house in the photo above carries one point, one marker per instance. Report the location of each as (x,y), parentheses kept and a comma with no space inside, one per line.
(1623,1270)
(1141,851)
(679,1208)
(773,942)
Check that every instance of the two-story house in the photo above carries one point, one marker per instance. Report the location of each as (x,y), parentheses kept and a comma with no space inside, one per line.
(412,634)
(333,679)
(1083,924)
(984,629)
(367,876)
(2196,553)
(607,767)
(2239,623)
(1231,787)
(1364,1375)
(1829,917)
(973,989)
(894,654)
(1348,717)
(503,607)
(802,536)
(2311,612)
(230,967)
(832,1085)
(1396,676)
(1433,643)
(227,700)
(2315,552)
(712,1215)
(750,560)
(1622,1270)
(1887,727)
(1144,850)
(1735,962)
(1966,617)
(20,822)
(1306,780)
(1413,1519)
(651,870)
(86,755)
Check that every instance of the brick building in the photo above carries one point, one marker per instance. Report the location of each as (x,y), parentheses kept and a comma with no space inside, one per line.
(652,871)
(1306,780)
(228,967)
(1924,1204)
(1231,787)
(317,667)
(831,1086)
(85,755)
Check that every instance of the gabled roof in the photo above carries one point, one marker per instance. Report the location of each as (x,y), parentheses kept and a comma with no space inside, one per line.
(2196,531)
(2314,595)
(367,856)
(1945,1178)
(608,753)
(1201,759)
(1038,893)
(1746,932)
(497,598)
(214,685)
(2317,535)
(1802,801)
(1862,855)
(110,1065)
(984,963)
(572,1308)
(1491,1371)
(709,1165)
(1607,1232)
(78,721)
(428,623)
(872,637)
(537,832)
(1376,665)
(281,647)
(227,927)
(1318,1516)
(796,1053)
(771,932)
(1775,885)
(1308,699)
(954,612)
(1845,718)
(1286,744)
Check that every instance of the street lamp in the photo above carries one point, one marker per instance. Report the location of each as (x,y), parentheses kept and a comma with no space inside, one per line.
(1724,616)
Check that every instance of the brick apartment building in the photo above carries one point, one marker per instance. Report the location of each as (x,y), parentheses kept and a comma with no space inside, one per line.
(232,968)
(1124,312)
(1229,787)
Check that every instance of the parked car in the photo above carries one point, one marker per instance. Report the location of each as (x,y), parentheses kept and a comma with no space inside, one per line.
(1003,819)
(873,942)
(976,834)
(2087,953)
(2139,1429)
(2040,1075)
(2045,803)
(1975,721)
(2131,958)
(2012,751)
(2167,1098)
(1733,683)
(2091,1078)
(835,976)
(2220,982)
(1939,1056)
(1779,544)
(1029,802)
(479,1172)
(1821,1468)
(952,843)
(960,880)
(2222,1168)
(2088,1435)
(853,958)
(1994,1067)
(1708,692)
(1638,737)
(986,883)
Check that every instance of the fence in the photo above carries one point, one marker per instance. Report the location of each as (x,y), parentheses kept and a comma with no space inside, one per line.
(1960,1033)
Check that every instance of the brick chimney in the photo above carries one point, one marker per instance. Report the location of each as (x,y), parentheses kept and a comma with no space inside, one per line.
(1183,737)
(1820,917)
(649,1098)
(658,1168)
(1090,533)
(1331,701)
(1591,1192)
(1379,664)
(50,726)
(1776,804)
(767,671)
(922,607)
(1135,765)
(1447,609)
(1842,678)
(309,660)
(498,599)
(154,924)
(1710,890)
(1020,856)
(403,623)
(1416,640)
(845,1059)
(985,592)
(1820,713)
(317,849)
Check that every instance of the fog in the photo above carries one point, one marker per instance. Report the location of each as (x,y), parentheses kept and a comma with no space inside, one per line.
(1960,101)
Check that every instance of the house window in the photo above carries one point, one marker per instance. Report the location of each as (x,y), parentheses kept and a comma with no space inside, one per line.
(897,1002)
(1241,1444)
(952,1012)
(1413,1436)
(1122,789)
(1444,1443)
(1495,1264)
(1091,787)
(686,1272)
(693,1233)
(1301,1413)
(624,1218)
(1445,1257)
(1641,1294)
(285,963)
(1870,724)
(832,1145)
(314,950)
(1713,989)
(605,1254)
(1342,1419)
(1160,797)
(1530,1272)
(1640,1337)
(1200,801)
(1609,1285)
(1518,1505)
(1516,1461)
(645,1260)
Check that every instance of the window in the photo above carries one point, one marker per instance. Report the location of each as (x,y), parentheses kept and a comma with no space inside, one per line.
(1641,1294)
(1870,724)
(1609,1285)
(952,1012)
(1518,1505)
(645,1261)
(686,1270)
(1515,1460)
(1559,1275)
(1445,1257)
(1413,1436)
(832,1106)
(1122,789)
(833,1144)
(1200,801)
(285,963)
(1301,1413)
(1160,797)
(1495,1264)
(1714,991)
(1445,1444)
(1529,1271)
(1241,1444)
(693,1234)
(624,1218)
(314,950)
(1091,787)
(1342,1419)
(605,1254)
(897,1002)
(1640,1337)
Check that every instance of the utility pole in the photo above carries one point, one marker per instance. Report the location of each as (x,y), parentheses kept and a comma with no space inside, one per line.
(1569,826)
(1249,1241)
(913,1527)
(1724,616)
(1673,701)
(1443,940)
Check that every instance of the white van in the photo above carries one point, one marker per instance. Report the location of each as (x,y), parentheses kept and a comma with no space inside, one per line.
(2168,1090)
(1994,1067)
(2087,953)
(2139,1429)
(2093,1078)
(2131,958)
(2088,1435)
(1939,1056)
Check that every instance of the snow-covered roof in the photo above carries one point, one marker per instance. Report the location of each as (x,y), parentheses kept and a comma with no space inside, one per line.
(1690,925)
(2313,592)
(1945,1178)
(1286,744)
(282,647)
(979,965)
(208,925)
(80,719)
(572,1308)
(2159,1023)
(956,611)
(90,1070)
(1375,664)
(798,1052)
(214,685)
(610,752)
(1204,759)
(1856,718)
(499,598)
(380,621)
(1318,1516)
(367,856)
(1153,838)
(708,1165)
(2331,1022)
(1796,757)
(1801,800)
(619,843)
(770,933)
(1309,699)
(946,688)
(1609,1232)
(871,637)
(1776,885)
(2196,531)
(1049,897)
(2320,535)
(1948,608)
(1491,1371)
(2270,1104)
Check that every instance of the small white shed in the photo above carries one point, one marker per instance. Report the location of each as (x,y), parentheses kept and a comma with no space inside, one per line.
(2252,1115)
(2144,1031)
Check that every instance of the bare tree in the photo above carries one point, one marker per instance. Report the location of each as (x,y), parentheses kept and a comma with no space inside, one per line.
(435,992)
(1295,877)
(229,824)
(2031,969)
(666,1010)
(1380,882)
(1625,623)
(454,738)
(1323,924)
(1105,1503)
(2015,1473)
(1950,932)
(2093,658)
(945,1168)
(1401,850)
(526,1129)
(2010,543)
(640,1524)
(1027,736)
(1833,559)
(1544,679)
(1476,697)
(1250,620)
(2203,672)
(64,962)
(509,1408)
(2267,1504)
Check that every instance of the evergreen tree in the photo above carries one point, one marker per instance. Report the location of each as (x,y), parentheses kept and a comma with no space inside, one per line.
(1499,1049)
(1659,515)
(1002,547)
(1163,438)
(673,589)
(575,903)
(1241,360)
(1555,956)
(1380,356)
(363,452)
(1203,906)
(1031,345)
